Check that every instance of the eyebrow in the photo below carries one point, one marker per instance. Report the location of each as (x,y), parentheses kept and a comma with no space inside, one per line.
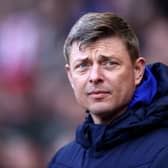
(106,56)
(82,59)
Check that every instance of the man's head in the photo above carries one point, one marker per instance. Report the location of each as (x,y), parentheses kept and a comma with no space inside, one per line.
(103,64)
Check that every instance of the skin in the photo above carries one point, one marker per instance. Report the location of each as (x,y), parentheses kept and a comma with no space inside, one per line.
(103,77)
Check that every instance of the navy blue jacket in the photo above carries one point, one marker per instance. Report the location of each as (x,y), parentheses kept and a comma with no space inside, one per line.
(136,139)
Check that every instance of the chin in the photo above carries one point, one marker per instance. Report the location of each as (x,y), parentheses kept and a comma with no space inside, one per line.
(100,109)
(105,111)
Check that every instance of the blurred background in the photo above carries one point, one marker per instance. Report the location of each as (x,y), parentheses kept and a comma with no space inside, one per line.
(38,113)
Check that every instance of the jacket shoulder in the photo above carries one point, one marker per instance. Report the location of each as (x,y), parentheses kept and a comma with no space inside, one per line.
(161,158)
(147,149)
(65,155)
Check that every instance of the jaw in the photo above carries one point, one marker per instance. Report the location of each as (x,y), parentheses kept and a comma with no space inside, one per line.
(103,114)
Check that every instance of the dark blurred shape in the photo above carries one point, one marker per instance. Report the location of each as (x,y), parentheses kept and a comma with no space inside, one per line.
(162,7)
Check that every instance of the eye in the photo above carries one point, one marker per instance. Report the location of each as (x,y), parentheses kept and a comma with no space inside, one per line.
(109,63)
(83,66)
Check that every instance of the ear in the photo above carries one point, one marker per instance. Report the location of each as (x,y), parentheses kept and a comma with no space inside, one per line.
(69,74)
(139,69)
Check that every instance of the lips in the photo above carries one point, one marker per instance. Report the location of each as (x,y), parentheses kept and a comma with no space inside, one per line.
(98,94)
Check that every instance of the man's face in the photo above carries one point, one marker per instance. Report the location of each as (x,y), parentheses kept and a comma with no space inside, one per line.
(103,77)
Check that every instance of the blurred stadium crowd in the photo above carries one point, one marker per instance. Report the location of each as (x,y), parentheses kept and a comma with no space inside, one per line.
(38,113)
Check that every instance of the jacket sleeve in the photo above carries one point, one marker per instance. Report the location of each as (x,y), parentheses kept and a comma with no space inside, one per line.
(161,161)
(52,162)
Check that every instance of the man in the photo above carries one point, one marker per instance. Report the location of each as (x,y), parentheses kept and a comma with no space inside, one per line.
(126,101)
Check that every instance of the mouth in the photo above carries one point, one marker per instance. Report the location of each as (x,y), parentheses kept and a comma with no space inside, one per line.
(100,94)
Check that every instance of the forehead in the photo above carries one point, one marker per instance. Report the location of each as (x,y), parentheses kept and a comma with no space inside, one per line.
(107,46)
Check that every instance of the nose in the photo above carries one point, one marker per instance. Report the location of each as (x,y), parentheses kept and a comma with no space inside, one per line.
(95,75)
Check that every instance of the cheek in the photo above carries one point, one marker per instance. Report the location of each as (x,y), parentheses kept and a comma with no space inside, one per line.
(123,84)
(128,88)
(79,88)
(80,95)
